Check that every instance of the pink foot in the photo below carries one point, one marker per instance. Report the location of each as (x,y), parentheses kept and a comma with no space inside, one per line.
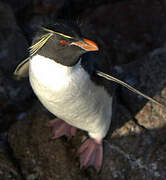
(61,128)
(91,154)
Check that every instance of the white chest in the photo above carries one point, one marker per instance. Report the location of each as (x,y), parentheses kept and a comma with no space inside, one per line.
(69,93)
(54,82)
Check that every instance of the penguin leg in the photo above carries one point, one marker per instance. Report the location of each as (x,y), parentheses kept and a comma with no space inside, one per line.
(61,128)
(91,153)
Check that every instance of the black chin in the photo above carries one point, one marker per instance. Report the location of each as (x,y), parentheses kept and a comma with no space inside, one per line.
(69,56)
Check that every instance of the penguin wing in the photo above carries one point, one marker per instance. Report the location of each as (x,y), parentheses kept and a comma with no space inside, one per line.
(22,69)
(95,61)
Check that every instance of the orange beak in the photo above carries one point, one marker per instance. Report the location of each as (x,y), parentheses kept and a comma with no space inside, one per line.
(86,44)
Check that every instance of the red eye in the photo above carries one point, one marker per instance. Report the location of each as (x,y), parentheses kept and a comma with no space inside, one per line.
(63,42)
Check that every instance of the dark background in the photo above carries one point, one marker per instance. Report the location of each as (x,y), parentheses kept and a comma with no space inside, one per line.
(132,34)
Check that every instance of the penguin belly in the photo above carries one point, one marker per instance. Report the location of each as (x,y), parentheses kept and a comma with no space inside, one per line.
(70,94)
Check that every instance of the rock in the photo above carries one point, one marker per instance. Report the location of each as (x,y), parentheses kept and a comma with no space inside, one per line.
(48,7)
(41,12)
(149,79)
(17,5)
(40,157)
(14,95)
(13,47)
(127,27)
(135,146)
(7,170)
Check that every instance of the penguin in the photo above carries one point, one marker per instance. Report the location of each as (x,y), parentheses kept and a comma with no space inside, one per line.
(61,69)
(69,75)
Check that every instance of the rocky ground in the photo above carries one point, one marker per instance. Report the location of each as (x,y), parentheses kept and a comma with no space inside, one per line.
(132,35)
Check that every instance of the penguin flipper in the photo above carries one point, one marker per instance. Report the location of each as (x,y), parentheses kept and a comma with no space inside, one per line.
(22,70)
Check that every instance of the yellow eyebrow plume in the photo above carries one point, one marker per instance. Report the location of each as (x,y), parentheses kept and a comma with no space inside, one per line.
(34,48)
(51,31)
(48,30)
(63,35)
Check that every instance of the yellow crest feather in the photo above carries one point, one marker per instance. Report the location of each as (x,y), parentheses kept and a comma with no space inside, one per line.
(34,48)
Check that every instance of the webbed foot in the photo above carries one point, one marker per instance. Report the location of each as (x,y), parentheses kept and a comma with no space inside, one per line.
(91,154)
(61,128)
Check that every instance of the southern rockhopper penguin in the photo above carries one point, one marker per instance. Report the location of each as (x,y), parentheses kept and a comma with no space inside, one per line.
(61,73)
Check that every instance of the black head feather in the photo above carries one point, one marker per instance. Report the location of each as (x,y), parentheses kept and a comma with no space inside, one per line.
(53,49)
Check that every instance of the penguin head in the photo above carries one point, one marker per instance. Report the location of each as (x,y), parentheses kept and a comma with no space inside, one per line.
(65,44)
